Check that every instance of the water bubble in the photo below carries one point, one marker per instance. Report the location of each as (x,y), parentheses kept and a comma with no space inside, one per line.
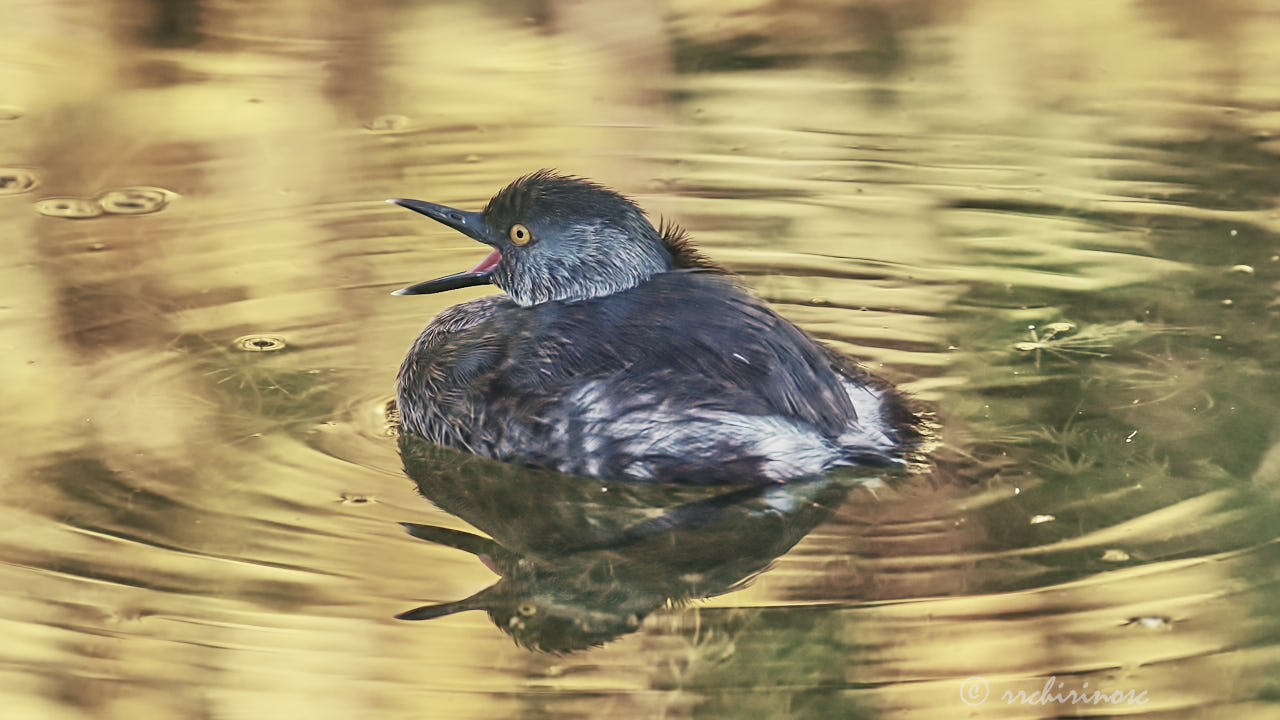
(69,207)
(259,343)
(387,123)
(15,181)
(1151,622)
(135,200)
(1055,330)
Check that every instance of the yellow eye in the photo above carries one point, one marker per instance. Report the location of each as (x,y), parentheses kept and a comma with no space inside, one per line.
(520,234)
(527,609)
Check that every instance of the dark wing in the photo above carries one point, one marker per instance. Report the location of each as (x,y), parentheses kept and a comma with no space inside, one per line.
(692,338)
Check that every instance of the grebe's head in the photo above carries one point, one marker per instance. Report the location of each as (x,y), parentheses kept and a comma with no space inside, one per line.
(554,237)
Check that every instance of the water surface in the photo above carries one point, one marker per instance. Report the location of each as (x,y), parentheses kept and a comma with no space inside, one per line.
(1056,224)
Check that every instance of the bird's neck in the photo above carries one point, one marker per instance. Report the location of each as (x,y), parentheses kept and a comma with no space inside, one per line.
(586,276)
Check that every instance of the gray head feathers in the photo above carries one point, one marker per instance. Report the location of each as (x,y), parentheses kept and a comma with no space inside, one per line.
(587,240)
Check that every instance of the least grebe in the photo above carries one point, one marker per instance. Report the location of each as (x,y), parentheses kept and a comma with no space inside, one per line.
(618,351)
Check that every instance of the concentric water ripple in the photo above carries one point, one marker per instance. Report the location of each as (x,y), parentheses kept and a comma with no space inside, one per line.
(1058,230)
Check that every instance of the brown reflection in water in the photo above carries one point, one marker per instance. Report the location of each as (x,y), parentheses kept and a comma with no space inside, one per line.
(177,547)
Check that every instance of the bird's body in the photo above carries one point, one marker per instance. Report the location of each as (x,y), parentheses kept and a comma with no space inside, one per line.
(679,376)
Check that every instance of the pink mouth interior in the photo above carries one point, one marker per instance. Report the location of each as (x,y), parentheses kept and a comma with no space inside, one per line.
(487,263)
(488,561)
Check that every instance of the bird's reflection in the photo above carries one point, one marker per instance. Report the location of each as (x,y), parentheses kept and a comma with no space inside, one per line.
(583,561)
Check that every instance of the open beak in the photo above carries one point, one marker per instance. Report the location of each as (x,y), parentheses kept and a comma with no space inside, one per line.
(470,224)
(480,601)
(489,552)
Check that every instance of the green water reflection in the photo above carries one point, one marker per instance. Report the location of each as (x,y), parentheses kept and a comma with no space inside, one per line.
(1056,224)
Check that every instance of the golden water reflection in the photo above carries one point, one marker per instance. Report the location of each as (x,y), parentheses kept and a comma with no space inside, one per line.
(196,527)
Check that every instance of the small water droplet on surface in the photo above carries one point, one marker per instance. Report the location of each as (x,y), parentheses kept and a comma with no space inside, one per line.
(15,181)
(1057,329)
(387,123)
(72,208)
(1115,555)
(1151,622)
(259,343)
(1242,269)
(135,200)
(1037,519)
